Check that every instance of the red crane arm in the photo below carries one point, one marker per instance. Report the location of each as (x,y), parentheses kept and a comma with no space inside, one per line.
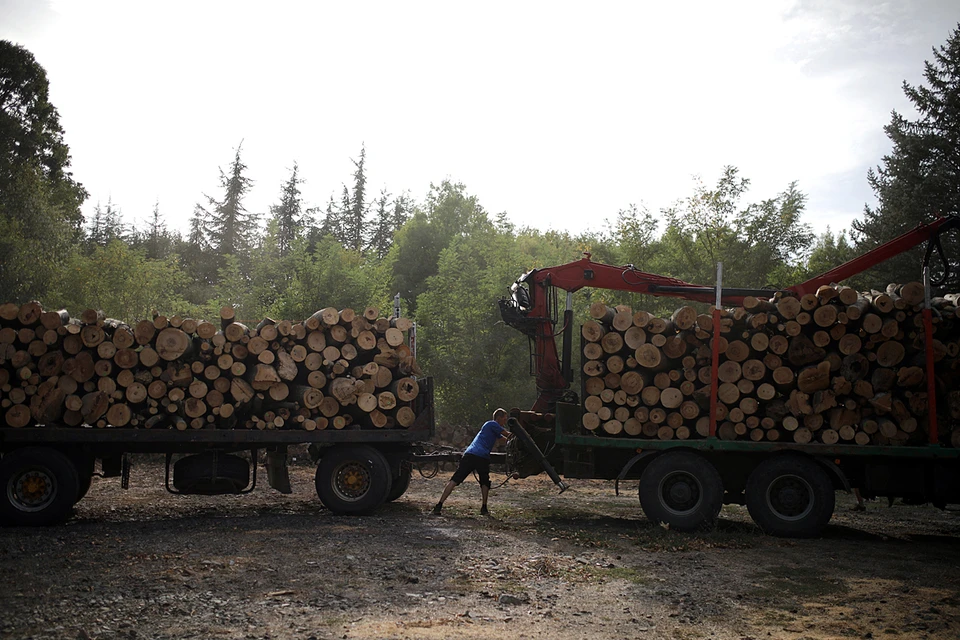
(530,312)
(898,245)
(538,321)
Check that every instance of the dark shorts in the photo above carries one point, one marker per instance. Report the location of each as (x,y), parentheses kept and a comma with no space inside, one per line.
(470,463)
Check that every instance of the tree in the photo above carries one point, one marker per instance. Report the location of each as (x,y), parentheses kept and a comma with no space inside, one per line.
(449,212)
(122,282)
(382,236)
(288,215)
(230,225)
(39,199)
(355,207)
(105,226)
(920,178)
(828,252)
(157,240)
(758,244)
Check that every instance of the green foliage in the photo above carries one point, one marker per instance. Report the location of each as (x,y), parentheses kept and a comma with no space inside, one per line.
(448,213)
(39,199)
(920,178)
(830,251)
(478,362)
(120,281)
(755,242)
(230,226)
(288,215)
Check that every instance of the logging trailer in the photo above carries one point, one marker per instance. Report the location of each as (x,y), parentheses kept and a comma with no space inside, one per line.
(788,487)
(47,464)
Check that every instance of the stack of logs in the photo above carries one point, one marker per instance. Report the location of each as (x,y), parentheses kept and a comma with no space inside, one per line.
(838,366)
(334,369)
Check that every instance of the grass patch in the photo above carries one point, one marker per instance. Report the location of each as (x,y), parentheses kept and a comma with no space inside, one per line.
(619,573)
(801,583)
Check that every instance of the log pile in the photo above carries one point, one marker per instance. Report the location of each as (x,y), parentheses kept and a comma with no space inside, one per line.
(335,369)
(835,367)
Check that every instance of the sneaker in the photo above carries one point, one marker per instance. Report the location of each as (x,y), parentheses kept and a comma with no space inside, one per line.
(436,509)
(484,512)
(858,507)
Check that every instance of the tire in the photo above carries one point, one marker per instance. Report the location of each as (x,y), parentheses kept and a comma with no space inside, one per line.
(38,487)
(353,480)
(790,496)
(683,490)
(400,484)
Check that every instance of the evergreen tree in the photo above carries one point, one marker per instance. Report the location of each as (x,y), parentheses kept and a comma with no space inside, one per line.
(288,215)
(332,224)
(920,178)
(355,208)
(39,200)
(230,225)
(382,236)
(105,225)
(157,241)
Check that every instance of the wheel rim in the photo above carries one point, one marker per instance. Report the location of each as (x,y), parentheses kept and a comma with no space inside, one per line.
(680,493)
(790,497)
(32,490)
(351,481)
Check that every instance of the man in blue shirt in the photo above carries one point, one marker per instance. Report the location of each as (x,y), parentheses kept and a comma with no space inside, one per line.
(476,457)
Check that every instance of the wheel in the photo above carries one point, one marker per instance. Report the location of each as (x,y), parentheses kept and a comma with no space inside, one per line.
(353,480)
(790,496)
(683,490)
(400,483)
(39,486)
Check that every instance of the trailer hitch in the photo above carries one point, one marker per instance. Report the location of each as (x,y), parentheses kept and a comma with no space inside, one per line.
(533,449)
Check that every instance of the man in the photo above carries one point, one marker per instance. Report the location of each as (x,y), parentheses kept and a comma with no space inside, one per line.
(476,457)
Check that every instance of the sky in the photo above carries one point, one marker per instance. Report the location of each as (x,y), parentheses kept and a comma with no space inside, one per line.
(557,113)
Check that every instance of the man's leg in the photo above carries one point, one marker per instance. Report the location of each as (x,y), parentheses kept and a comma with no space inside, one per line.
(465,466)
(447,490)
(483,471)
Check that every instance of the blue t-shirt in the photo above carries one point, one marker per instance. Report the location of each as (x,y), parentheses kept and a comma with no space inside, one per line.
(483,443)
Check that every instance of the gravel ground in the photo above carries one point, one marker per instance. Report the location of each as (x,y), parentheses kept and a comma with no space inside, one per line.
(145,564)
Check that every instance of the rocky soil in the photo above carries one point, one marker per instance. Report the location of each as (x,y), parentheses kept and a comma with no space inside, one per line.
(145,564)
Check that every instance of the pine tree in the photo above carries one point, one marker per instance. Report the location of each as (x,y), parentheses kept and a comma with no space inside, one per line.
(332,224)
(288,215)
(382,236)
(920,178)
(355,209)
(231,226)
(105,225)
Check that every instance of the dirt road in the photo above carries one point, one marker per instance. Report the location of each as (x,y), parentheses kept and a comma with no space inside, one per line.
(145,564)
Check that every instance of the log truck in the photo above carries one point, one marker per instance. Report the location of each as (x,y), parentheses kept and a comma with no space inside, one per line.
(788,488)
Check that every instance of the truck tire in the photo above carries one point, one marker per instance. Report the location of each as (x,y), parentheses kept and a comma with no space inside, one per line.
(39,487)
(400,483)
(683,490)
(790,496)
(353,480)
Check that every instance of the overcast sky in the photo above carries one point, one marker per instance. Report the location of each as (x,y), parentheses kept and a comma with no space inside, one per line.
(557,113)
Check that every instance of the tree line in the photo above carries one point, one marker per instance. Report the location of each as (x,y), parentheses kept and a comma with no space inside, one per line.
(447,257)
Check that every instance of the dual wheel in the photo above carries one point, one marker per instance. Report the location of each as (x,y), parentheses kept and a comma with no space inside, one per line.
(40,486)
(357,479)
(790,496)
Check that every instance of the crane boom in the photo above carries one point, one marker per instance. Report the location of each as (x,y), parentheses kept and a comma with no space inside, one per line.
(530,307)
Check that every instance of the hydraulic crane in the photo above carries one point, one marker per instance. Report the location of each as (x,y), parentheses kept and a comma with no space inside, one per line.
(532,307)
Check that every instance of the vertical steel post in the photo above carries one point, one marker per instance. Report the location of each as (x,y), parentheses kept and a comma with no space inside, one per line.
(934,437)
(715,352)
